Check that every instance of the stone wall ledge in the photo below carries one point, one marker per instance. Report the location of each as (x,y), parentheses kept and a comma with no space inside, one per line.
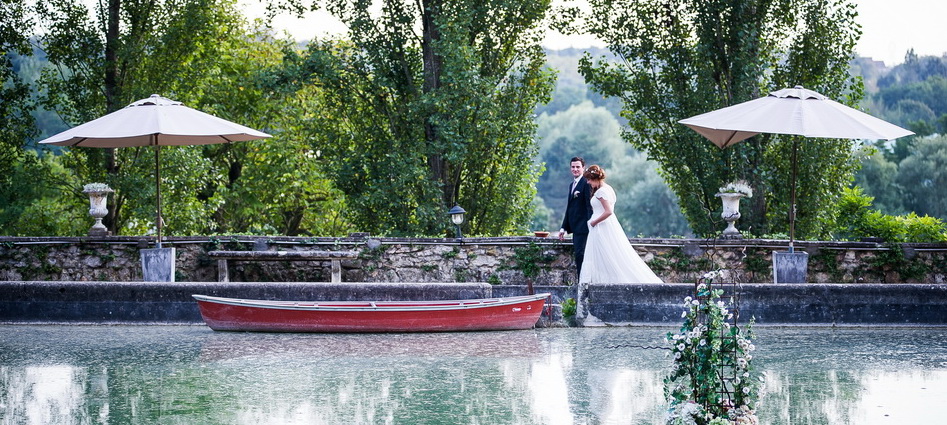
(172,302)
(168,242)
(615,305)
(779,304)
(514,260)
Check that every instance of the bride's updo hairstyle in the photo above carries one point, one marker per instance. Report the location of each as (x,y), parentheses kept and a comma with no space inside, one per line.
(594,173)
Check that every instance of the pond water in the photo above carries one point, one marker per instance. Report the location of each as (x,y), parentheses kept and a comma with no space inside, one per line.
(192,375)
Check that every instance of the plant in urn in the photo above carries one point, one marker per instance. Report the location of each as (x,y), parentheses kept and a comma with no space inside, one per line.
(730,196)
(98,194)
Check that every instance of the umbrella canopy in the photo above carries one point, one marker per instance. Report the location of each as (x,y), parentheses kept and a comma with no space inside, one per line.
(796,111)
(155,121)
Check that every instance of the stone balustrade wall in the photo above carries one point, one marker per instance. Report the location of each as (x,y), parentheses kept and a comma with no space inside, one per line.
(507,260)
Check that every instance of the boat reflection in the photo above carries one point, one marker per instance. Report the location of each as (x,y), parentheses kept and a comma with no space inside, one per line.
(506,344)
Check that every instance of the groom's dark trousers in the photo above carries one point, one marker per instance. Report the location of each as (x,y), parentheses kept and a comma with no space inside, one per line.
(576,220)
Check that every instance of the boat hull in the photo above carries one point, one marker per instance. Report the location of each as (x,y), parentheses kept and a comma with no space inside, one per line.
(511,313)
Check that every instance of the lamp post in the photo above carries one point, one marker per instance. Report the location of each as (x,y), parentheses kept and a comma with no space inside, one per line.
(457,216)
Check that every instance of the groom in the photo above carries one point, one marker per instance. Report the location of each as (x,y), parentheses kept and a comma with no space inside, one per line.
(578,212)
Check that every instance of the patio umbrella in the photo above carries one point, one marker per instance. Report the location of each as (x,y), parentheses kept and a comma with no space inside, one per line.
(155,121)
(796,111)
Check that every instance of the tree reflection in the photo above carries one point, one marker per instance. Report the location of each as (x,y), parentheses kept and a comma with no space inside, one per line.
(182,375)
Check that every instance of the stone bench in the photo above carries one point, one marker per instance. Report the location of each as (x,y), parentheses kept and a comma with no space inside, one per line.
(334,257)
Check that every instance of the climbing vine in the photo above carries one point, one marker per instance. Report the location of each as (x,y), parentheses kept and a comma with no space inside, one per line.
(531,259)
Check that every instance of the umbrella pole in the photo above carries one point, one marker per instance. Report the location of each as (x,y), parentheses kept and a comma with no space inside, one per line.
(158,188)
(792,195)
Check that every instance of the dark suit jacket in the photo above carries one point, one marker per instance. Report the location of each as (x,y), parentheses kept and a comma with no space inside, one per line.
(578,208)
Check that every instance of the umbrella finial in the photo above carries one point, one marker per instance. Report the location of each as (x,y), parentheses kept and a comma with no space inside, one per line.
(154,100)
(798,92)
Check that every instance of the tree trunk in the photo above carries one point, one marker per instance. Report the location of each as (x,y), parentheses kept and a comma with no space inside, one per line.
(112,96)
(433,67)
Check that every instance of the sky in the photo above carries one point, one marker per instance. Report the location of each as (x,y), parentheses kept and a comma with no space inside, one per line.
(889,28)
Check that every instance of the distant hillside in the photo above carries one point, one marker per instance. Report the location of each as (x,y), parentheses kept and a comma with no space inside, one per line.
(870,70)
(570,86)
(912,95)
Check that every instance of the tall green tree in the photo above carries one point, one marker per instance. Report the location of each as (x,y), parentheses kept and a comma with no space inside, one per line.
(16,123)
(429,104)
(679,58)
(18,161)
(203,54)
(278,186)
(122,51)
(923,175)
(877,176)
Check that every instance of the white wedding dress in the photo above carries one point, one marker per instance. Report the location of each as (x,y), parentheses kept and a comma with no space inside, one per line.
(609,257)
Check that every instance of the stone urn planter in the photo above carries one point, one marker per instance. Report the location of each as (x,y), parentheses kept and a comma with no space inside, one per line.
(98,195)
(731,213)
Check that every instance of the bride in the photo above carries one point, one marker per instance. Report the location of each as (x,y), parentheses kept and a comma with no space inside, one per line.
(609,257)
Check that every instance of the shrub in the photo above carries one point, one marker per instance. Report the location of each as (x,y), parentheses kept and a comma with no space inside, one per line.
(568,307)
(923,229)
(857,219)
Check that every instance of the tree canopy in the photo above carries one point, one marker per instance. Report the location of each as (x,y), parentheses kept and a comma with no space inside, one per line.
(200,53)
(681,58)
(419,107)
(426,105)
(17,126)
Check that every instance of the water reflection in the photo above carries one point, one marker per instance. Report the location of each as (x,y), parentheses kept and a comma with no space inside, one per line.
(228,345)
(182,375)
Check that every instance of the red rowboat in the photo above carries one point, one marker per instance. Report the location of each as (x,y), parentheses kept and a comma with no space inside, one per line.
(488,314)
